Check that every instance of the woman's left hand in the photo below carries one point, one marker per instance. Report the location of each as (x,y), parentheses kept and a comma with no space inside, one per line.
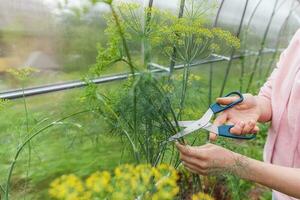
(207,159)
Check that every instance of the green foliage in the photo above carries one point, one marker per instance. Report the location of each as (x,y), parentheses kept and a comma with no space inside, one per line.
(3,104)
(193,40)
(160,30)
(145,112)
(22,74)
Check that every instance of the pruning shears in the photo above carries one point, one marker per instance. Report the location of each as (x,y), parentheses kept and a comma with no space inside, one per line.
(204,122)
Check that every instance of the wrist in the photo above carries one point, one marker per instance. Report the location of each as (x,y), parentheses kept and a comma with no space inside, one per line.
(240,165)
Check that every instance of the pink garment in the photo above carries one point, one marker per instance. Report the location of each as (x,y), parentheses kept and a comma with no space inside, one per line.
(283,90)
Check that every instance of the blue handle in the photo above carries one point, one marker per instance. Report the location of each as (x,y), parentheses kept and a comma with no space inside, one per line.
(224,131)
(216,107)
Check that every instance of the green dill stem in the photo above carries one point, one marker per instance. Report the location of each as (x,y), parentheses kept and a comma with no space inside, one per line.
(161,154)
(134,111)
(20,148)
(184,88)
(27,133)
(2,189)
(117,20)
(173,56)
(261,47)
(177,162)
(146,46)
(134,149)
(233,51)
(130,63)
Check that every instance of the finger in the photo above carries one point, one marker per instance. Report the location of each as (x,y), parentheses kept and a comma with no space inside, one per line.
(190,168)
(189,151)
(194,169)
(213,136)
(252,125)
(255,129)
(193,161)
(238,128)
(221,119)
(248,127)
(226,100)
(186,150)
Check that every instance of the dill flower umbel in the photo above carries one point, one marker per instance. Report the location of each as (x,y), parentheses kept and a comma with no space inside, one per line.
(99,181)
(127,182)
(202,196)
(66,187)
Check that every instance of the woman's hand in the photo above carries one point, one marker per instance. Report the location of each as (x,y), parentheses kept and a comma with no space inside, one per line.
(212,158)
(243,116)
(207,158)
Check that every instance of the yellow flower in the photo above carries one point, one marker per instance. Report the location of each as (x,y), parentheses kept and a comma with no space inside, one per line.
(118,172)
(202,196)
(66,187)
(22,73)
(128,182)
(99,181)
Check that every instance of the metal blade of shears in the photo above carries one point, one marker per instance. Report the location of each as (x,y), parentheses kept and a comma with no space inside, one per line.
(185,131)
(211,128)
(184,123)
(196,125)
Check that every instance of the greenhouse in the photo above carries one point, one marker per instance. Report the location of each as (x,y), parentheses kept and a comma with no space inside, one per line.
(150,99)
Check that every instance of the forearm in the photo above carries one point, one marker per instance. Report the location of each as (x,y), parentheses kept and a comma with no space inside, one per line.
(282,179)
(265,108)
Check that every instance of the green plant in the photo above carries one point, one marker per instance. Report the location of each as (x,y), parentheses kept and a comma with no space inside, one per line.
(35,131)
(22,75)
(145,110)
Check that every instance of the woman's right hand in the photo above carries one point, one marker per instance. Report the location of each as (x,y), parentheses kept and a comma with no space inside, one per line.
(243,116)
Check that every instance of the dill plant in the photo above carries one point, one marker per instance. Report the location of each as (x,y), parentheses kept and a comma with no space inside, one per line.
(144,109)
(22,75)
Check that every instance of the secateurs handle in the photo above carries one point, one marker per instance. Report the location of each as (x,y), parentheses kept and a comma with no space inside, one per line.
(216,107)
(224,131)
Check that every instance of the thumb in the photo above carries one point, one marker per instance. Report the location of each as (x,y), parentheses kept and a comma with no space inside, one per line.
(221,119)
(226,100)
